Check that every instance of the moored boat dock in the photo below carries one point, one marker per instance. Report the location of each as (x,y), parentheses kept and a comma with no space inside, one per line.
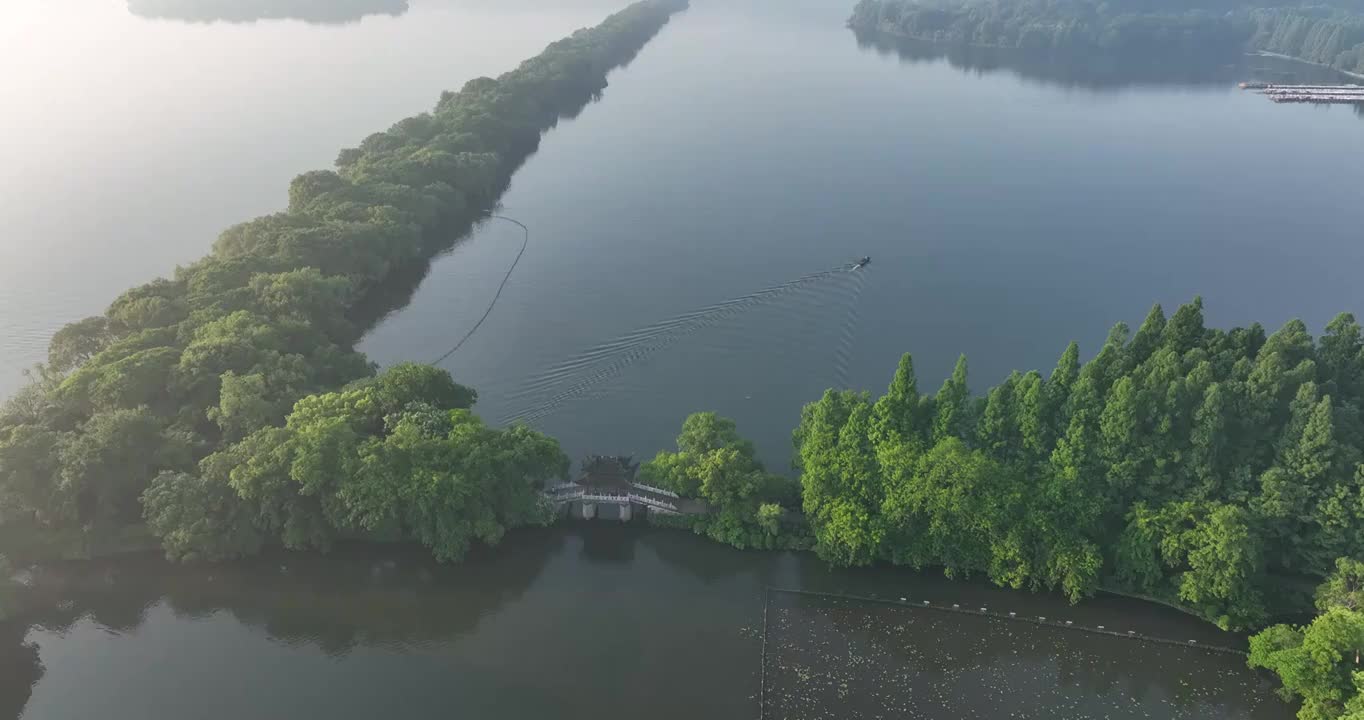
(1328,94)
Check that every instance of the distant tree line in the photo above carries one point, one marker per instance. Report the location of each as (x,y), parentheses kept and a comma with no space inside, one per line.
(236,11)
(213,395)
(1332,35)
(1317,34)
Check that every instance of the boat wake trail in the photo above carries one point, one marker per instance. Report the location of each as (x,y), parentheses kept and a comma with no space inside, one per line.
(577,376)
(843,351)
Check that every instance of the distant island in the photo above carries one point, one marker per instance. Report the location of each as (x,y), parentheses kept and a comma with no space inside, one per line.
(1327,34)
(322,12)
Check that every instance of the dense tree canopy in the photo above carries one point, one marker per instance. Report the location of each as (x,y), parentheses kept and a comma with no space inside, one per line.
(1319,663)
(396,457)
(1331,33)
(181,371)
(1218,469)
(749,506)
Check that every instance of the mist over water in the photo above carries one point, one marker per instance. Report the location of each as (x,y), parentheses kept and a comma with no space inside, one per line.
(130,143)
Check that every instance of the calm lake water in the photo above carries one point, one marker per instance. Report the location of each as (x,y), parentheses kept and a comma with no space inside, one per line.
(584,621)
(1010,205)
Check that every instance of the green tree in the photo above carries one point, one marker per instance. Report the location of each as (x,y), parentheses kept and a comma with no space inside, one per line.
(1210,442)
(1148,337)
(105,467)
(715,463)
(1185,330)
(1124,445)
(1225,567)
(29,467)
(897,417)
(1055,409)
(702,434)
(1289,489)
(76,343)
(378,460)
(1344,587)
(1340,358)
(947,508)
(953,406)
(705,431)
(998,430)
(1035,415)
(1315,663)
(200,519)
(838,477)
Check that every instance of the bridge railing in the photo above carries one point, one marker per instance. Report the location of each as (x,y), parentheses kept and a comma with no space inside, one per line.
(569,493)
(606,497)
(653,502)
(658,491)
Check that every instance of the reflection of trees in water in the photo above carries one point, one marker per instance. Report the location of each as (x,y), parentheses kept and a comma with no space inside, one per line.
(1095,72)
(354,597)
(330,12)
(605,543)
(712,562)
(20,670)
(857,660)
(398,288)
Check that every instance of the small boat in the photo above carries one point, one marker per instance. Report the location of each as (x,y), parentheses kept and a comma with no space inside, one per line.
(862,263)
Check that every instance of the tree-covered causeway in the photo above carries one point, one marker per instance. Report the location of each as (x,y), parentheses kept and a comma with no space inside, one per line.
(180,401)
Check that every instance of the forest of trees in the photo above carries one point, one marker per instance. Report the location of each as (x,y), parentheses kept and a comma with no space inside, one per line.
(1222,471)
(184,376)
(1331,33)
(1218,469)
(399,457)
(1316,34)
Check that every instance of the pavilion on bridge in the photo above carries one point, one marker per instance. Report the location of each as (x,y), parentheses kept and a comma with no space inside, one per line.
(610,480)
(608,474)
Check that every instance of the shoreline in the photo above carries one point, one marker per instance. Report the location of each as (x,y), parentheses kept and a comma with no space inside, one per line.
(990,46)
(149,545)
